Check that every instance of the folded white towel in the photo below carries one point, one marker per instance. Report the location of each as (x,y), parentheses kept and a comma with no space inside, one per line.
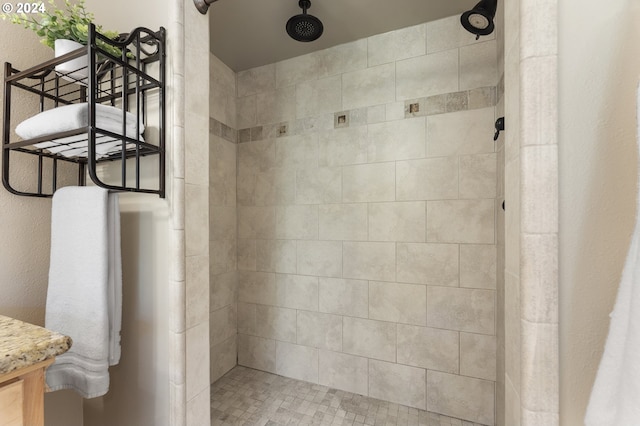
(85,283)
(616,392)
(76,146)
(72,117)
(76,116)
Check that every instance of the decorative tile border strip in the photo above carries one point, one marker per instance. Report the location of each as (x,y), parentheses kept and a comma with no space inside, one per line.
(500,89)
(220,129)
(482,97)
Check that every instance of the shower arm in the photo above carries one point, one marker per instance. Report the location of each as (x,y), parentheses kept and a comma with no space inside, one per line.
(203,5)
(304,5)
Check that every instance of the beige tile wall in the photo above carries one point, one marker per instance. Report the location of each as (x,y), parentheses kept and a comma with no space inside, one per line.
(528,374)
(366,243)
(512,300)
(222,216)
(190,388)
(176,183)
(501,252)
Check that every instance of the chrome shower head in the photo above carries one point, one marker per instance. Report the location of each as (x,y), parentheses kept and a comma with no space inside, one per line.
(479,20)
(304,27)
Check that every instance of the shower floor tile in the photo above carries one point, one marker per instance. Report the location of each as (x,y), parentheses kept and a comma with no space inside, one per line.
(250,397)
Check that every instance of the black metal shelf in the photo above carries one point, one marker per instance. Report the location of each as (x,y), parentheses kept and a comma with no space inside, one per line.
(127,82)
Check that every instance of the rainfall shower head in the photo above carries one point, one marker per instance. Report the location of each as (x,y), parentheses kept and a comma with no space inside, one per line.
(304,27)
(479,20)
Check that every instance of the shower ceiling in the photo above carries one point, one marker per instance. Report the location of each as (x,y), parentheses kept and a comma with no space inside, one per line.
(250,33)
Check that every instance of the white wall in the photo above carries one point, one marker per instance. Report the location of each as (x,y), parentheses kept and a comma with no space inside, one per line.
(24,251)
(123,16)
(599,70)
(139,391)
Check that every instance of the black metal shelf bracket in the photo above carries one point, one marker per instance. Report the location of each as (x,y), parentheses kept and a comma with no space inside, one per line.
(128,82)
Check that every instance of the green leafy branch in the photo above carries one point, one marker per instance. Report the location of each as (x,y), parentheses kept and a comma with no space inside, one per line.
(71,23)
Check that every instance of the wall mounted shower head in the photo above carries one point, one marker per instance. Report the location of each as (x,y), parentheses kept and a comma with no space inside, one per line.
(203,5)
(304,27)
(479,20)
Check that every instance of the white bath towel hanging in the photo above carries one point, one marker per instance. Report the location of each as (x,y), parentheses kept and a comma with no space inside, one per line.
(615,397)
(84,297)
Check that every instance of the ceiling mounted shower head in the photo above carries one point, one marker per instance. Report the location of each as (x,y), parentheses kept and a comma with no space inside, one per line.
(304,27)
(479,20)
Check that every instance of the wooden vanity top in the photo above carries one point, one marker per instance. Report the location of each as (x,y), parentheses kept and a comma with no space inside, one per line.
(23,345)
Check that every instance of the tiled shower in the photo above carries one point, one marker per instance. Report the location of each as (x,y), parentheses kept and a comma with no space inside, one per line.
(353,219)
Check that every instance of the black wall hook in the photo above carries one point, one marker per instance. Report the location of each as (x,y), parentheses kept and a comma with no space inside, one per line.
(499,127)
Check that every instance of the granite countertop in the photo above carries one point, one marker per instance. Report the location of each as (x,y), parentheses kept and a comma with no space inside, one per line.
(23,344)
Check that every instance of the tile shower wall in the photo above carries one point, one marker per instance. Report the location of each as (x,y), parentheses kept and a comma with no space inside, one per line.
(531,226)
(500,226)
(512,190)
(222,219)
(366,188)
(190,399)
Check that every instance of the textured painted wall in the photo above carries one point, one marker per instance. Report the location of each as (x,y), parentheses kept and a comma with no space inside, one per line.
(24,252)
(598,181)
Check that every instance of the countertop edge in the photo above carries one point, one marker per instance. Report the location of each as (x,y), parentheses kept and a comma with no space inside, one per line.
(23,344)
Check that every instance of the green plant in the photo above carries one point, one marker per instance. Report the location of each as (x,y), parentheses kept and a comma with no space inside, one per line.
(71,23)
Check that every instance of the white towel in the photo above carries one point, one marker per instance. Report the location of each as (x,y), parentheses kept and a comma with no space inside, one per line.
(115,278)
(615,397)
(84,298)
(72,117)
(76,146)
